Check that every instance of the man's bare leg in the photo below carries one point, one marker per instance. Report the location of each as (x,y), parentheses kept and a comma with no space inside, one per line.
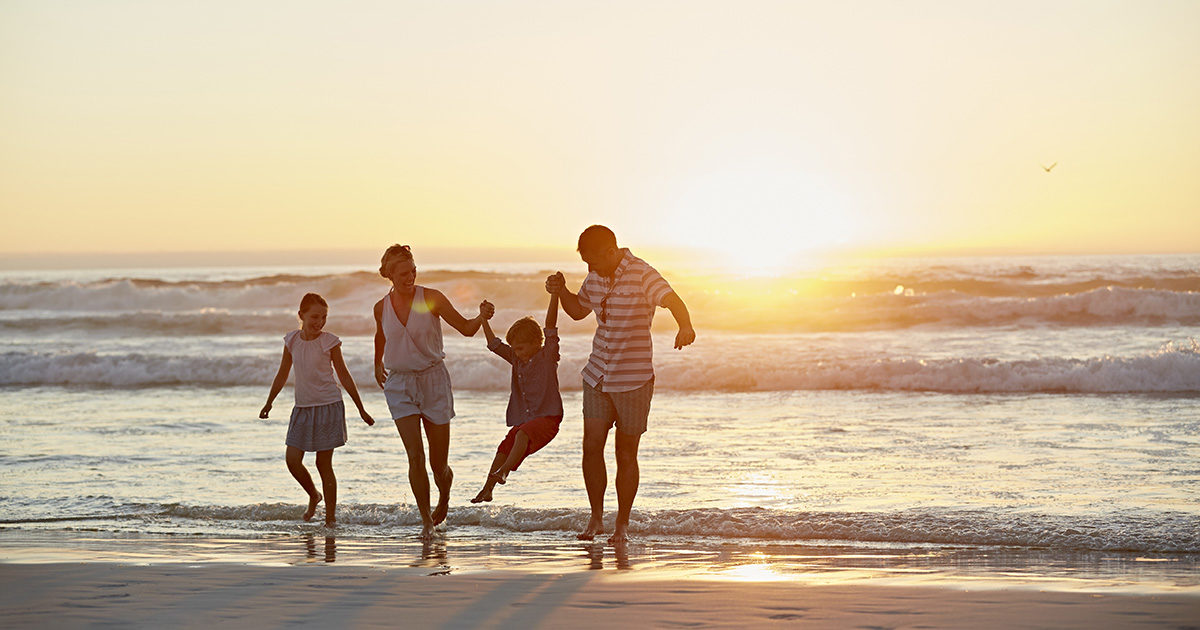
(628,476)
(410,433)
(439,454)
(595,475)
(295,463)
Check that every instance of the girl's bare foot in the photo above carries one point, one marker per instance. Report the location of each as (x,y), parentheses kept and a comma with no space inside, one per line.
(619,536)
(443,504)
(331,523)
(594,526)
(313,500)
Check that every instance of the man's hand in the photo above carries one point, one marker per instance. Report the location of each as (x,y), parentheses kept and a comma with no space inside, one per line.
(686,336)
(555,283)
(486,309)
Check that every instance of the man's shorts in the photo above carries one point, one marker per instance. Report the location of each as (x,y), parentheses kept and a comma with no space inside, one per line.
(539,431)
(628,410)
(425,393)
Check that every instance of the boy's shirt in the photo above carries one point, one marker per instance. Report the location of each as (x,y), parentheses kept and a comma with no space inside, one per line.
(534,382)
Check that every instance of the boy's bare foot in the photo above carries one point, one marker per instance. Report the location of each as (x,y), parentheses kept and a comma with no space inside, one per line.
(484,495)
(443,504)
(594,526)
(313,500)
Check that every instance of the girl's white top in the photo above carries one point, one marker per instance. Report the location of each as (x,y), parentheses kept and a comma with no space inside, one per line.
(418,345)
(315,382)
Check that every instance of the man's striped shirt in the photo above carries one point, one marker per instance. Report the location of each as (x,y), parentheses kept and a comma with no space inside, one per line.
(624,304)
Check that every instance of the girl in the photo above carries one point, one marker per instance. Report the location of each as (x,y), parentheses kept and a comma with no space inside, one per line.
(409,367)
(319,418)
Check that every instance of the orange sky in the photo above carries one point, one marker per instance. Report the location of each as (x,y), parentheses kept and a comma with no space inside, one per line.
(764,129)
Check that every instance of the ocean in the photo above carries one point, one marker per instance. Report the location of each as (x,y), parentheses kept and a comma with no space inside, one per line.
(965,416)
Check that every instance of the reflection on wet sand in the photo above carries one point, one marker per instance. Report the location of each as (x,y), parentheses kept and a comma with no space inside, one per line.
(329,551)
(595,555)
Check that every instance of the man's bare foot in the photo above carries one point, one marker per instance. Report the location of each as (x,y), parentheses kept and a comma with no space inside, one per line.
(484,495)
(594,526)
(313,500)
(443,504)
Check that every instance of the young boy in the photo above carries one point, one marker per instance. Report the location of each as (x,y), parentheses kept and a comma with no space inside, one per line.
(534,404)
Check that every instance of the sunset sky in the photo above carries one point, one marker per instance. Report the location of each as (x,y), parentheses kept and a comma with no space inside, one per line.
(902,127)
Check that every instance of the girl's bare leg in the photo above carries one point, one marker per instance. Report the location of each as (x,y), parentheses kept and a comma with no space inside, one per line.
(329,485)
(486,493)
(295,463)
(410,433)
(439,454)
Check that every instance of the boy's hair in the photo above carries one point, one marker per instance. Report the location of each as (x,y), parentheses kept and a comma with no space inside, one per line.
(310,299)
(403,252)
(597,237)
(522,330)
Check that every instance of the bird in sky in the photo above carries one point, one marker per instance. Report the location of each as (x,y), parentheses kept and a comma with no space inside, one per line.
(1049,168)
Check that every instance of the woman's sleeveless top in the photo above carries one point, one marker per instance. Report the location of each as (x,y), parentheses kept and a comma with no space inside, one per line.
(418,345)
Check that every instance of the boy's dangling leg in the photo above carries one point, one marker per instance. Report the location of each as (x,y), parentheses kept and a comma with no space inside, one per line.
(486,493)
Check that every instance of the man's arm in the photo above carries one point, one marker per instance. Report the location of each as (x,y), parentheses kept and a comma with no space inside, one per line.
(683,318)
(557,285)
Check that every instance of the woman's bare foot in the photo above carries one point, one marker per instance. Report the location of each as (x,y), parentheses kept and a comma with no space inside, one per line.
(594,526)
(427,531)
(443,504)
(313,500)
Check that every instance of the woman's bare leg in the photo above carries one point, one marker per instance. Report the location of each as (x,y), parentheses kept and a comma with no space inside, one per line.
(410,433)
(439,454)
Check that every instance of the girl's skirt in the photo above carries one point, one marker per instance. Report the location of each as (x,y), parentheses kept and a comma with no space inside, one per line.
(319,428)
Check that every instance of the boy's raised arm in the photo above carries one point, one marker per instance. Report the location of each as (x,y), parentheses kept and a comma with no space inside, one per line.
(552,312)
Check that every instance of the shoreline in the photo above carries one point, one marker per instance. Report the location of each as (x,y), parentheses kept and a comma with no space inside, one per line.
(189,595)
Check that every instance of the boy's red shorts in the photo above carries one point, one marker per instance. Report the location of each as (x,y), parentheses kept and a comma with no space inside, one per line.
(539,430)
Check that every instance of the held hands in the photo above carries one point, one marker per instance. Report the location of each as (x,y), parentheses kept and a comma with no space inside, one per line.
(685,337)
(486,309)
(555,283)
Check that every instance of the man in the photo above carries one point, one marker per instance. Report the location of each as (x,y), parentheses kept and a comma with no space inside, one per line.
(618,380)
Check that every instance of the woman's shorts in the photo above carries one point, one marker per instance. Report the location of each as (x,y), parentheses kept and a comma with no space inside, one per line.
(539,430)
(425,393)
(630,410)
(320,428)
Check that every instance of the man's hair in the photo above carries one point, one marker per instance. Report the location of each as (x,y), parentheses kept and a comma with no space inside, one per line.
(310,299)
(522,330)
(403,252)
(597,237)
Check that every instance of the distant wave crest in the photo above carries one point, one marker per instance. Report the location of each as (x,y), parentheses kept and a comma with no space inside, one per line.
(1172,369)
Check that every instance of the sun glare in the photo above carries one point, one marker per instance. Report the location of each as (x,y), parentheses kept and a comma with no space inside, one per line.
(759,222)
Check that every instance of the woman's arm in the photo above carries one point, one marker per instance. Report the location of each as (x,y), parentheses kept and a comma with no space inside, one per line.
(285,366)
(440,305)
(380,342)
(343,374)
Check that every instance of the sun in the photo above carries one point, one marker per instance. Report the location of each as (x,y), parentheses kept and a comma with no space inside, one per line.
(759,221)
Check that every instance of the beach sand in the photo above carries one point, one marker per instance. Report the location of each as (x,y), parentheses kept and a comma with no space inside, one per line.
(182,594)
